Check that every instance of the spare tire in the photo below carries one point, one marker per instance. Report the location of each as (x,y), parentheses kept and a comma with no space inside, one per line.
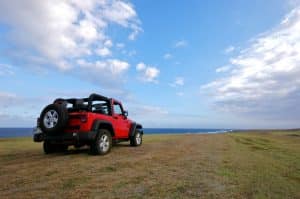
(53,118)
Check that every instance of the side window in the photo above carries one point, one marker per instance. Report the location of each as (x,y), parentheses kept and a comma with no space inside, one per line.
(117,109)
(100,107)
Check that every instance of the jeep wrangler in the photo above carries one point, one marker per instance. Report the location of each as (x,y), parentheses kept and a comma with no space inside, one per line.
(96,121)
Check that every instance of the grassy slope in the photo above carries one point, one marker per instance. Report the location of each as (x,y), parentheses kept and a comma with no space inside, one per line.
(238,165)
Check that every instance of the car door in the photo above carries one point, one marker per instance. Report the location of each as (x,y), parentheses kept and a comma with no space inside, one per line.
(120,121)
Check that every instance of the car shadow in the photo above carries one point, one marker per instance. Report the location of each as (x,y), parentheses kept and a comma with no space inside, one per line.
(86,149)
(118,145)
(76,151)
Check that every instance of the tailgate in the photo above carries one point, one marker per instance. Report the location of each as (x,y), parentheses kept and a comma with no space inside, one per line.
(78,122)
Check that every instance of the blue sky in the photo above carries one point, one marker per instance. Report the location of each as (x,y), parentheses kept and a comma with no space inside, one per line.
(195,64)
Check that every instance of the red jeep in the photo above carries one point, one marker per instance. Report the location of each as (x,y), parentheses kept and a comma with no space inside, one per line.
(96,121)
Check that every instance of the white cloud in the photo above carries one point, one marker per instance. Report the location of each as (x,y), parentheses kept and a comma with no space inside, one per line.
(293,3)
(120,45)
(110,72)
(223,69)
(120,12)
(229,49)
(87,30)
(151,73)
(108,43)
(168,56)
(57,33)
(6,99)
(180,44)
(147,73)
(103,52)
(179,81)
(180,94)
(135,32)
(117,66)
(6,70)
(123,13)
(114,66)
(141,66)
(264,78)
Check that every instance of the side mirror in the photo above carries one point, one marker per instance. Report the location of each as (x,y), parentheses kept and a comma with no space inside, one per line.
(125,113)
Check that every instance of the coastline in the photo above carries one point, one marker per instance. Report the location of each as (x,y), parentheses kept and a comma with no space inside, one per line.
(27,132)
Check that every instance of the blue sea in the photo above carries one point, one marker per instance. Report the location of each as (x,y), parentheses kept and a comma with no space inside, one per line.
(27,132)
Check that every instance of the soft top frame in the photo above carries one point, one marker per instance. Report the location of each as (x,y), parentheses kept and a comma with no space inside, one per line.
(80,101)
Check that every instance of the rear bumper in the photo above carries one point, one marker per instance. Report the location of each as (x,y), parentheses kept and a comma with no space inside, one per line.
(76,137)
(38,135)
(72,137)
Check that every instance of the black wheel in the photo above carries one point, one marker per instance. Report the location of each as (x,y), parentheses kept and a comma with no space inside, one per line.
(49,147)
(53,118)
(103,143)
(137,139)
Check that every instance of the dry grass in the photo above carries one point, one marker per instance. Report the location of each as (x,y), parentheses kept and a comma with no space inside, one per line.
(235,165)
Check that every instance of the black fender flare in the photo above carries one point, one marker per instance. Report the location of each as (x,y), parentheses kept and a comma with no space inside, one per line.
(133,127)
(98,124)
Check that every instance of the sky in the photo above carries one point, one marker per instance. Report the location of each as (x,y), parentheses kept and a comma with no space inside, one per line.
(173,64)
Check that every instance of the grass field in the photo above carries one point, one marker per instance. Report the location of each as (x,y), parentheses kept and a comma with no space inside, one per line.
(230,165)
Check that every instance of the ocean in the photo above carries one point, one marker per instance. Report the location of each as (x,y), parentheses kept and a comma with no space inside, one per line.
(27,132)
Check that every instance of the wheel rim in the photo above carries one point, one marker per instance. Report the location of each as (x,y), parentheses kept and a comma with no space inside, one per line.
(50,119)
(104,143)
(138,138)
